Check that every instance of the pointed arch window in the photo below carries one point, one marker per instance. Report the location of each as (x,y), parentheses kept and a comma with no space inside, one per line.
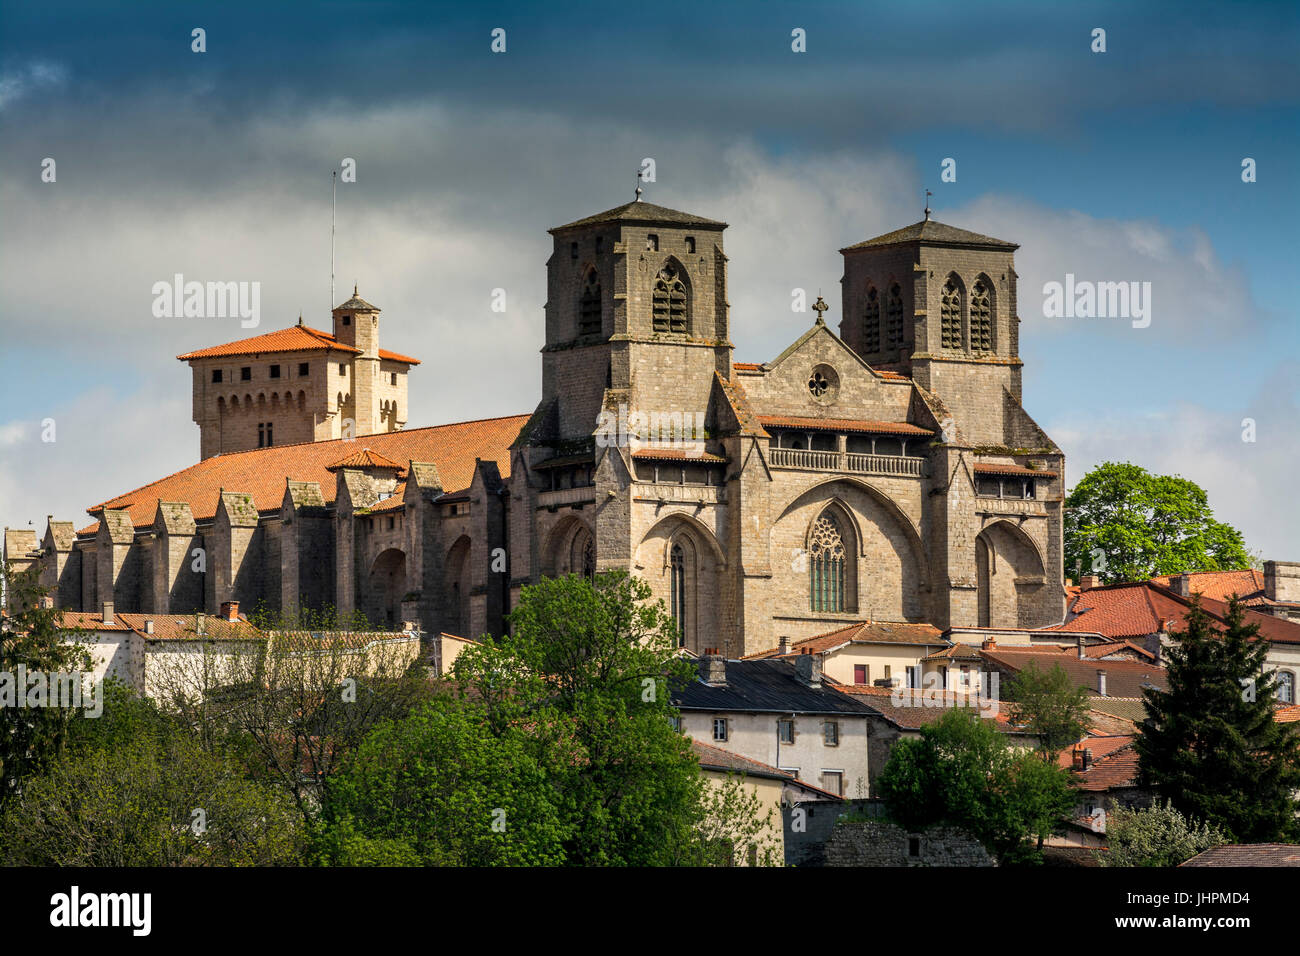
(589,559)
(1286,687)
(950,316)
(894,318)
(589,312)
(669,301)
(871,322)
(827,558)
(677,589)
(981,317)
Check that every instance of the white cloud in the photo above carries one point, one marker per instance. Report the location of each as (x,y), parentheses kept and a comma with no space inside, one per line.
(17,83)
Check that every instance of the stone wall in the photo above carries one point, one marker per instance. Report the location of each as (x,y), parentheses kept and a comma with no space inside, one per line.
(876,843)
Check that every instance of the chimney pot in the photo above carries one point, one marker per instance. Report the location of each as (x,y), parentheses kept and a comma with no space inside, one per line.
(785,644)
(1087,758)
(107,615)
(230,611)
(1082,653)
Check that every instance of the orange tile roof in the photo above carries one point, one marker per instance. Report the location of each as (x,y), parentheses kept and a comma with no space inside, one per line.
(296,338)
(1101,746)
(1116,770)
(843,425)
(863,632)
(1123,678)
(676,454)
(262,472)
(746,366)
(1220,585)
(993,468)
(1287,714)
(89,621)
(181,627)
(365,458)
(1248,854)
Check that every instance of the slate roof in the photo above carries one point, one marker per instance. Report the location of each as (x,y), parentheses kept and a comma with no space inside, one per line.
(765,686)
(639,211)
(1248,854)
(262,472)
(931,232)
(296,338)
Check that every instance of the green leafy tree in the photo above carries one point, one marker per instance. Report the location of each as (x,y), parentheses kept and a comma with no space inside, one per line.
(1155,836)
(1210,744)
(961,772)
(1050,705)
(734,829)
(1125,524)
(597,658)
(32,638)
(438,788)
(148,802)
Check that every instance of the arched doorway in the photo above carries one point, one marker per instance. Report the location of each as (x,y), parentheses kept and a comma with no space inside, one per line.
(387,586)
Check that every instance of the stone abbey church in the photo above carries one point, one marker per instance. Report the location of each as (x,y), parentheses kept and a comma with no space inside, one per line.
(887,473)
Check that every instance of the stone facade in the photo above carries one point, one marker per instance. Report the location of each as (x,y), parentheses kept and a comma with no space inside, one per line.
(778,500)
(876,843)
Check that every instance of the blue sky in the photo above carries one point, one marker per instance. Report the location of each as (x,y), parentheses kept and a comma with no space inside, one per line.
(1114,166)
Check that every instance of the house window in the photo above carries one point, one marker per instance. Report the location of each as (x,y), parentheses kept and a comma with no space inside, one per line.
(347,320)
(275,371)
(950,316)
(392,378)
(831,733)
(1286,687)
(785,731)
(677,576)
(943,677)
(913,677)
(264,434)
(303,369)
(343,369)
(675,721)
(861,675)
(669,301)
(871,322)
(652,243)
(216,375)
(981,317)
(719,728)
(833,780)
(391,523)
(246,373)
(894,318)
(888,675)
(589,307)
(690,244)
(826,565)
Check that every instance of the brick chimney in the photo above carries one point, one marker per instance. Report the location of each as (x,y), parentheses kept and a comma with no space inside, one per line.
(201,624)
(1083,654)
(148,626)
(1181,585)
(107,613)
(784,646)
(809,668)
(230,611)
(713,668)
(1101,682)
(1089,581)
(990,644)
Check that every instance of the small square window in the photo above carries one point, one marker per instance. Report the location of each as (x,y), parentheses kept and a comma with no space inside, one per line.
(690,244)
(216,375)
(785,731)
(860,674)
(303,369)
(246,374)
(720,728)
(275,371)
(393,379)
(833,780)
(652,243)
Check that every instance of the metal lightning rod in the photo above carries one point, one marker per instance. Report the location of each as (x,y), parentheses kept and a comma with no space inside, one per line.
(334,179)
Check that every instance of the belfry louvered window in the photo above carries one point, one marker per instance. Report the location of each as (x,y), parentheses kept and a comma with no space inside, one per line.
(669,301)
(981,318)
(589,307)
(826,559)
(950,316)
(871,323)
(894,318)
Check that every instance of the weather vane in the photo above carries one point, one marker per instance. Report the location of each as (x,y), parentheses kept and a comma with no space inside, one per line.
(928,194)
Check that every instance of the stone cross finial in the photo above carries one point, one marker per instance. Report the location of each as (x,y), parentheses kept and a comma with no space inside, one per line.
(820,307)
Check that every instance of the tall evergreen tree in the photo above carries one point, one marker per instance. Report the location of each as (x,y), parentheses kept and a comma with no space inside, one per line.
(1210,744)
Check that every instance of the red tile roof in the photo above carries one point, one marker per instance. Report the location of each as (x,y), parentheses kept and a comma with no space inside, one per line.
(843,425)
(296,338)
(1101,746)
(1221,585)
(1123,678)
(262,472)
(365,458)
(676,454)
(863,632)
(993,468)
(1118,769)
(715,758)
(1287,714)
(746,366)
(1248,854)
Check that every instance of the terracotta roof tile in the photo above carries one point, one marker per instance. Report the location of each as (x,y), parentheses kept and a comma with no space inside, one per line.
(296,338)
(1123,678)
(994,468)
(863,632)
(746,366)
(1249,854)
(262,472)
(676,454)
(365,458)
(843,425)
(1220,585)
